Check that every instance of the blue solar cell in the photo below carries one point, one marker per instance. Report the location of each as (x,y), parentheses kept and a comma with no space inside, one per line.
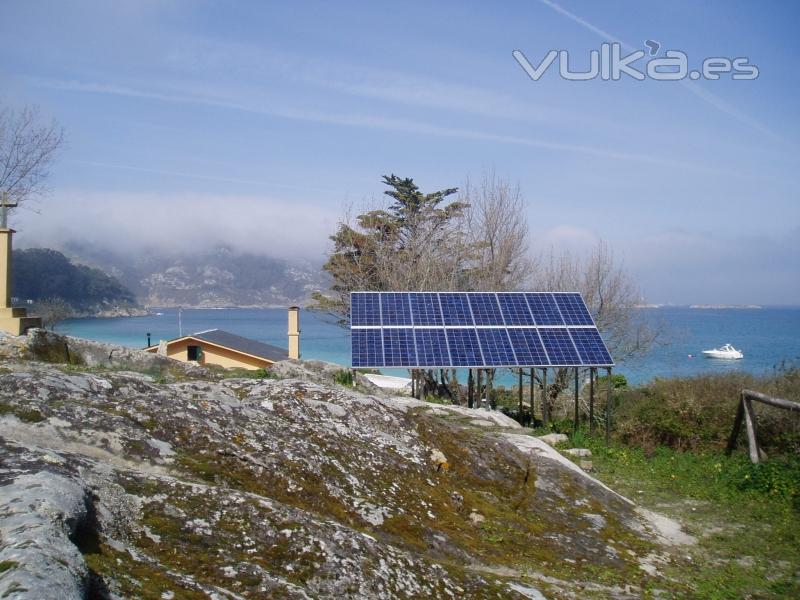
(496,347)
(515,309)
(425,308)
(431,348)
(591,347)
(544,309)
(367,348)
(528,348)
(365,309)
(485,309)
(573,309)
(464,348)
(559,347)
(395,309)
(398,348)
(455,309)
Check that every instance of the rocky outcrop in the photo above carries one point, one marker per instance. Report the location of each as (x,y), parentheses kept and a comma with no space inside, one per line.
(116,484)
(47,346)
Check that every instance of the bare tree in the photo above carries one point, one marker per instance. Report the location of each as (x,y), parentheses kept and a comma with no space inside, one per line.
(52,311)
(611,296)
(497,234)
(27,149)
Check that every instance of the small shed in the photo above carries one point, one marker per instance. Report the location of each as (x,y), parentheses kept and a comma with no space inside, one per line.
(218,347)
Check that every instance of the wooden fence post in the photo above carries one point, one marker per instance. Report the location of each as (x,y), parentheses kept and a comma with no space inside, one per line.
(737,425)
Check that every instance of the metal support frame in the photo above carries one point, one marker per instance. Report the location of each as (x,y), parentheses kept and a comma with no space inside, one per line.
(544,402)
(576,423)
(489,385)
(592,374)
(533,389)
(608,406)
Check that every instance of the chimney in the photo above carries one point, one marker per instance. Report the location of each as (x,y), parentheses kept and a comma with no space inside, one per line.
(294,332)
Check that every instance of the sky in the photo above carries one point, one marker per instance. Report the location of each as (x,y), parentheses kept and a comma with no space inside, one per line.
(256,124)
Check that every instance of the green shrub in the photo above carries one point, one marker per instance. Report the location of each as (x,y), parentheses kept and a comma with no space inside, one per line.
(343,377)
(241,373)
(697,413)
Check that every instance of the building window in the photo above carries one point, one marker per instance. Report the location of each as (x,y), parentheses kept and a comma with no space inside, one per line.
(193,353)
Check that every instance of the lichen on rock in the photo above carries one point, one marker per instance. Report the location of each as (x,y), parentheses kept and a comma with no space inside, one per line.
(196,487)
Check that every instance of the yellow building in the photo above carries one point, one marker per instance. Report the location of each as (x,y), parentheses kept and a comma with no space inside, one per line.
(14,321)
(222,348)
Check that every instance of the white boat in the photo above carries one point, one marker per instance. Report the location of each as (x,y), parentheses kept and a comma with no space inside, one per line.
(727,351)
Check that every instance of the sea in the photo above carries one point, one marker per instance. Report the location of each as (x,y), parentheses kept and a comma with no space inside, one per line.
(769,336)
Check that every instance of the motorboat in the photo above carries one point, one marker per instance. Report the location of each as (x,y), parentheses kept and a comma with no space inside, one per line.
(727,351)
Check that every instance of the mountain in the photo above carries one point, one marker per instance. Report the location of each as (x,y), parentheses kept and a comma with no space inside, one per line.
(208,278)
(41,274)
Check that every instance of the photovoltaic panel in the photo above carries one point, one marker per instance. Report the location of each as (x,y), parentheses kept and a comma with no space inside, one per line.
(590,346)
(431,348)
(515,309)
(573,309)
(398,348)
(425,308)
(496,346)
(474,329)
(367,348)
(558,346)
(395,309)
(464,348)
(455,309)
(528,347)
(365,309)
(485,309)
(544,309)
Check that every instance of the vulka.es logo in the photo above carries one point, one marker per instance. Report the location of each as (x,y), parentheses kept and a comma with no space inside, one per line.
(608,63)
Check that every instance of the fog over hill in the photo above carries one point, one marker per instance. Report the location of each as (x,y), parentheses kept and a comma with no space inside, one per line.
(217,276)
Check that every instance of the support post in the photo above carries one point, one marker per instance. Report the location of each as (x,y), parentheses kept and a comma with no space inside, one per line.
(544,400)
(533,384)
(577,391)
(521,420)
(592,373)
(489,383)
(479,389)
(608,406)
(470,389)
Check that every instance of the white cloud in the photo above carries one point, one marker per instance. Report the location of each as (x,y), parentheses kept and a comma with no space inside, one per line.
(250,102)
(136,221)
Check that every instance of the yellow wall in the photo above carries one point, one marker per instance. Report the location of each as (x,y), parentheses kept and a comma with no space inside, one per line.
(214,355)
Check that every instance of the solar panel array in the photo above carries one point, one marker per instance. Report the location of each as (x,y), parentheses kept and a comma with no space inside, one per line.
(474,329)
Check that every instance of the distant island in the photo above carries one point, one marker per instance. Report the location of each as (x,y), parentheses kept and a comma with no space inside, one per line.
(725,306)
(96,281)
(44,276)
(701,306)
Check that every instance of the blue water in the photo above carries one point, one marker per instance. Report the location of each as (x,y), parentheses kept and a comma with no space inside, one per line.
(767,336)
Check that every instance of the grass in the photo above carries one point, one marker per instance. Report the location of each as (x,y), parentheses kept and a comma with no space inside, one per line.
(241,373)
(745,517)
